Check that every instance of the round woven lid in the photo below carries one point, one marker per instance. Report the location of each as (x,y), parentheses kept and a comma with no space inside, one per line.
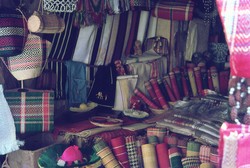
(34,23)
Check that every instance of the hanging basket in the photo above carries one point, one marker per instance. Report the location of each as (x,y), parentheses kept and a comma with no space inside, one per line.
(59,5)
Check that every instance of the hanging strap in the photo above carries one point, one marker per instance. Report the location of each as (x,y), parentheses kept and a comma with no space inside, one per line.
(5,163)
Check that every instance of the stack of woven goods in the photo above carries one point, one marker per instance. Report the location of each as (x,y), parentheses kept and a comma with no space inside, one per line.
(158,148)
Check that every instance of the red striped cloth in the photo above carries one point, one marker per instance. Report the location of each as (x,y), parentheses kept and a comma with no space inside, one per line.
(119,148)
(174,10)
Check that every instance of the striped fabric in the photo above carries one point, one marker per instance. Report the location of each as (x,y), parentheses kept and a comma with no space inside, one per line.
(63,45)
(33,111)
(235,18)
(174,10)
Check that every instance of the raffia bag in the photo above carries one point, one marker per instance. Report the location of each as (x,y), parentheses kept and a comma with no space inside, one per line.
(29,64)
(45,23)
(13,32)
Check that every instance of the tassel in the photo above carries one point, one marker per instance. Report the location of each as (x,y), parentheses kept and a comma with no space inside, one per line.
(232,82)
(234,111)
(247,117)
(238,92)
(247,99)
(231,97)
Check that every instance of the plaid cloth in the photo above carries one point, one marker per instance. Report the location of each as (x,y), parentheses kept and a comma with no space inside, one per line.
(132,151)
(174,10)
(33,111)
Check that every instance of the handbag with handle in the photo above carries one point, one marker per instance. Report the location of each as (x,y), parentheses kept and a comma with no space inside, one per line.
(13,32)
(29,64)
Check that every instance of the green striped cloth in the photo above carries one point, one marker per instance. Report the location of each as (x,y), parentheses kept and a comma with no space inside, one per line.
(33,111)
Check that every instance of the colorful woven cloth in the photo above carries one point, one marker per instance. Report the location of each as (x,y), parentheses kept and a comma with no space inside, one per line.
(33,111)
(174,10)
(235,18)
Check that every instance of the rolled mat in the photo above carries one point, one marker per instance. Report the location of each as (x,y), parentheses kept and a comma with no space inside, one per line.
(174,157)
(100,145)
(193,148)
(207,165)
(198,80)
(149,156)
(215,78)
(191,162)
(151,93)
(169,89)
(204,153)
(145,99)
(171,141)
(159,132)
(141,140)
(153,140)
(162,155)
(132,151)
(192,81)
(108,159)
(174,85)
(158,93)
(214,157)
(182,145)
(120,151)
